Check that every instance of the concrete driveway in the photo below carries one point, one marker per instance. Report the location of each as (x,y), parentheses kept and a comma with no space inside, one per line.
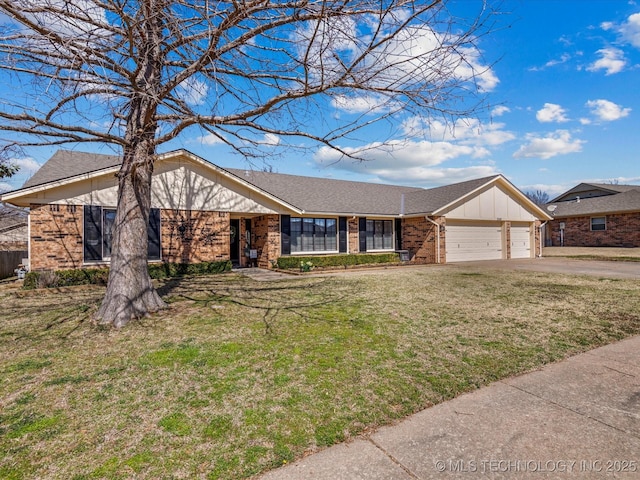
(597,268)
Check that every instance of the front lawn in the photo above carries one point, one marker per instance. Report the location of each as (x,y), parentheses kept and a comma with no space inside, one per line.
(241,376)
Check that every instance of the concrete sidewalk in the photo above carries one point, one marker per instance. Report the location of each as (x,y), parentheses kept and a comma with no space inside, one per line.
(579,418)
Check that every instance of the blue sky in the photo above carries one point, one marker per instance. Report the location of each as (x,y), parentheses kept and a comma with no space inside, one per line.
(565,108)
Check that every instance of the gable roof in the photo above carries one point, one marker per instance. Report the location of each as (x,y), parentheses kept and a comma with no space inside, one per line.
(311,195)
(591,190)
(67,164)
(627,200)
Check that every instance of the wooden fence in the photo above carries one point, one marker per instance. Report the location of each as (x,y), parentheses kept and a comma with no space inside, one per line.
(9,261)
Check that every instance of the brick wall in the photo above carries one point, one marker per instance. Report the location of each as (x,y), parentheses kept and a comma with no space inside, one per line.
(56,237)
(194,236)
(353,229)
(266,239)
(419,238)
(623,230)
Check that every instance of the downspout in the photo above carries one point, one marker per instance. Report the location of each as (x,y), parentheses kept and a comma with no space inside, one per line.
(540,227)
(437,238)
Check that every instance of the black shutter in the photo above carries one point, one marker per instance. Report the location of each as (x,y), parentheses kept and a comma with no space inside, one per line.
(398,234)
(342,235)
(92,233)
(363,233)
(153,232)
(285,234)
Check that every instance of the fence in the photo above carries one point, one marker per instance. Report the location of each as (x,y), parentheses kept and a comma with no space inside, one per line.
(9,261)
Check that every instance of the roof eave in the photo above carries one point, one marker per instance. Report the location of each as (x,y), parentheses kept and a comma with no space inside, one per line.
(23,192)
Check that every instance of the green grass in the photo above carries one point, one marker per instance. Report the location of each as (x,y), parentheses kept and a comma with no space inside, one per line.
(238,377)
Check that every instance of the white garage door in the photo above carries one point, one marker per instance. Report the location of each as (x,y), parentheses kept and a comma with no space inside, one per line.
(520,241)
(477,241)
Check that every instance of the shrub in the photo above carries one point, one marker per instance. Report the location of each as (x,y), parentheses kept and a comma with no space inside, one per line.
(295,262)
(100,276)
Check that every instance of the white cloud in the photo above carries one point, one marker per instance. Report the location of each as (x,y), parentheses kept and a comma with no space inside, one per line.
(5,187)
(466,131)
(408,161)
(270,139)
(192,91)
(361,104)
(551,112)
(607,111)
(500,110)
(400,154)
(630,30)
(555,143)
(435,176)
(28,166)
(210,139)
(564,58)
(611,60)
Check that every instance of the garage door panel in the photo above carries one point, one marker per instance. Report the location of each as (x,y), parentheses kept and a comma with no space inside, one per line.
(473,242)
(520,241)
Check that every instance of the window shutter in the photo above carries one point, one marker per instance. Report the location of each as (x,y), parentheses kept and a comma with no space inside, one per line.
(363,233)
(398,234)
(342,235)
(92,232)
(153,233)
(285,234)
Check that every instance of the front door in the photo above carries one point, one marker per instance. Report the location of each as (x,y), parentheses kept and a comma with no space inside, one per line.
(235,242)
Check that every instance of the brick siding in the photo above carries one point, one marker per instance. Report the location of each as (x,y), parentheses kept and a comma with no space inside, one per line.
(189,236)
(266,239)
(419,238)
(56,237)
(622,230)
(353,235)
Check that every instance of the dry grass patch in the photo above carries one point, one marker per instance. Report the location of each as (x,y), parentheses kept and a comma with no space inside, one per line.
(241,376)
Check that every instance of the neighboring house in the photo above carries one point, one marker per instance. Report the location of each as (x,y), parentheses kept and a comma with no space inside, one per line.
(202,212)
(13,229)
(595,215)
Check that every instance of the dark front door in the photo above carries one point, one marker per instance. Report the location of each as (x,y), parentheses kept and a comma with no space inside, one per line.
(235,241)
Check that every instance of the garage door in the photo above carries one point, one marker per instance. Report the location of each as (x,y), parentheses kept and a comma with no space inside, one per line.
(520,241)
(477,241)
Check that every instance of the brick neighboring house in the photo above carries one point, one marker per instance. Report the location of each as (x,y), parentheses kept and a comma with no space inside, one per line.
(595,215)
(202,212)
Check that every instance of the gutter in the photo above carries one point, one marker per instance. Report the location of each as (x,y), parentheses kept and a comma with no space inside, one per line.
(437,238)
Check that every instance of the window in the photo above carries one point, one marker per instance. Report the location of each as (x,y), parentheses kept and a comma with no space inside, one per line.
(598,223)
(313,234)
(379,234)
(98,233)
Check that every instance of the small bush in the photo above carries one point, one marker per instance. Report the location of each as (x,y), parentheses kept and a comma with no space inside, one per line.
(330,261)
(100,276)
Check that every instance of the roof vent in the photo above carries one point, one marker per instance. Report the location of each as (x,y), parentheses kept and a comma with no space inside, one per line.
(577,199)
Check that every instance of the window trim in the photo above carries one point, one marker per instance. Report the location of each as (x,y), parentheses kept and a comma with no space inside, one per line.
(603,224)
(391,233)
(295,236)
(154,213)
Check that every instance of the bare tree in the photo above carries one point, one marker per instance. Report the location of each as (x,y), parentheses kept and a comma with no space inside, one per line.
(136,74)
(538,197)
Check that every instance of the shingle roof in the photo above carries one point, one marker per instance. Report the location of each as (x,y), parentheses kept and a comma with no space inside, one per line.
(326,195)
(625,201)
(310,194)
(65,164)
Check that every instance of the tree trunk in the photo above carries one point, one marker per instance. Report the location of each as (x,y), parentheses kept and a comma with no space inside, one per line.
(130,292)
